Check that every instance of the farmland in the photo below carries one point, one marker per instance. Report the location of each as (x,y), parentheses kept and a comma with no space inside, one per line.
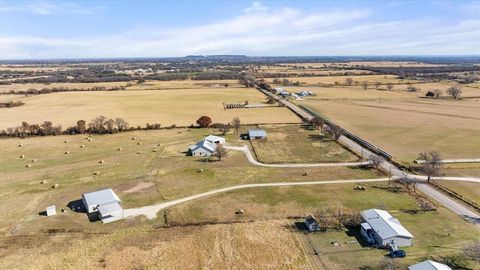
(179,107)
(71,86)
(290,144)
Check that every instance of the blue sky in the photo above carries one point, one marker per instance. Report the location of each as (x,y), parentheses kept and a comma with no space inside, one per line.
(43,29)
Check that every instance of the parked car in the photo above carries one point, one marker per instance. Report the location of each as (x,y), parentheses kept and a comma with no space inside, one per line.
(398,254)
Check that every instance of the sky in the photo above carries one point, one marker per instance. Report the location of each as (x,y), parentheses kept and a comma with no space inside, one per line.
(47,29)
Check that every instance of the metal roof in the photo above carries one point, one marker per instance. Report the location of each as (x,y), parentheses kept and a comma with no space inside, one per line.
(429,265)
(208,146)
(384,224)
(213,138)
(101,197)
(257,133)
(109,209)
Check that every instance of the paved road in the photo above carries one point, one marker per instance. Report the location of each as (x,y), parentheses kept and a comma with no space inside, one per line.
(152,210)
(252,160)
(447,161)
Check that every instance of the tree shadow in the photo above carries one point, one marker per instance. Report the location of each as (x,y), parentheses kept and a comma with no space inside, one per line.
(354,231)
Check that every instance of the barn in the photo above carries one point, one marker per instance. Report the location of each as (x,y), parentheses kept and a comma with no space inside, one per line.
(105,203)
(381,229)
(257,134)
(205,147)
(429,265)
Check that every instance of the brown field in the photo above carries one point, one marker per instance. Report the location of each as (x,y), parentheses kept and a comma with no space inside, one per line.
(179,107)
(367,63)
(39,86)
(349,93)
(405,128)
(186,84)
(257,245)
(469,190)
(293,144)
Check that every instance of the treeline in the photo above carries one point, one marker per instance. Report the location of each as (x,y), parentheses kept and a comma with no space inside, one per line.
(208,75)
(293,75)
(34,91)
(11,104)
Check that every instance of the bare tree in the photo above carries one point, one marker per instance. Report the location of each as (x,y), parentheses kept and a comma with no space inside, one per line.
(236,124)
(224,129)
(390,86)
(454,92)
(220,152)
(322,218)
(473,251)
(375,160)
(365,85)
(339,214)
(377,85)
(121,124)
(411,88)
(432,165)
(334,131)
(317,122)
(270,100)
(349,81)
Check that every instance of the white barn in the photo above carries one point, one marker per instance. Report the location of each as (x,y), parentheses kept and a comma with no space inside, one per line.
(215,139)
(429,265)
(104,202)
(381,229)
(257,134)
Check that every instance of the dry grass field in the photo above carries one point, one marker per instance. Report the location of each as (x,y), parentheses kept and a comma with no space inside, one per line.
(469,190)
(179,107)
(349,93)
(341,79)
(293,144)
(186,84)
(367,63)
(39,86)
(405,128)
(257,245)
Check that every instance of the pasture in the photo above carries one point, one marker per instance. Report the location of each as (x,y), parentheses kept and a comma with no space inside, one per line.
(73,86)
(406,127)
(293,144)
(330,80)
(432,238)
(186,84)
(168,107)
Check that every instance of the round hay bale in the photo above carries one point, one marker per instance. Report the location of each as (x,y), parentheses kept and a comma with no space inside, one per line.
(55,185)
(305,173)
(200,171)
(28,165)
(65,141)
(43,182)
(139,143)
(22,156)
(133,138)
(67,152)
(96,173)
(82,146)
(158,144)
(20,145)
(154,150)
(34,160)
(119,149)
(139,152)
(101,161)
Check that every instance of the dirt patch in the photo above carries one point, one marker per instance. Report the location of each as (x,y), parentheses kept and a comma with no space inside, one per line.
(139,187)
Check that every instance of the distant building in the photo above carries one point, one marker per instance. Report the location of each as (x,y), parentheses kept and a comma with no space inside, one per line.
(256,134)
(429,265)
(205,147)
(51,210)
(278,90)
(104,202)
(311,223)
(381,229)
(305,93)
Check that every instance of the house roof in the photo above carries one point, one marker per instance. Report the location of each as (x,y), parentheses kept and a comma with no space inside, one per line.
(366,226)
(208,146)
(384,224)
(100,197)
(213,138)
(257,133)
(429,265)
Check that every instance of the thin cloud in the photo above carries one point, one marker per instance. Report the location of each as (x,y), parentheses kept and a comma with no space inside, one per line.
(45,7)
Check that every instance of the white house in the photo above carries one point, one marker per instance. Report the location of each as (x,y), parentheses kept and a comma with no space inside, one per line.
(380,228)
(205,147)
(311,223)
(104,202)
(429,265)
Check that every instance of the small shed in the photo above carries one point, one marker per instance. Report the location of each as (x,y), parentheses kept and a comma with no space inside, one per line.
(311,223)
(51,211)
(429,265)
(257,134)
(215,139)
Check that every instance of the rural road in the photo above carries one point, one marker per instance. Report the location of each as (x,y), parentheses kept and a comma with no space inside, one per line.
(152,210)
(252,160)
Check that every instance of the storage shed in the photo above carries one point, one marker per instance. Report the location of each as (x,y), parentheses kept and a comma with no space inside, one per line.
(104,202)
(381,229)
(311,223)
(429,265)
(256,134)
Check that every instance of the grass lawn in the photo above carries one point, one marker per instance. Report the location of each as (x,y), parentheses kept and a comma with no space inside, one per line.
(469,190)
(405,128)
(179,107)
(294,144)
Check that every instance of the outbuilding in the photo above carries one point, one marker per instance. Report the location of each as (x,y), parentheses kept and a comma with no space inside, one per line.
(311,223)
(429,265)
(51,210)
(104,202)
(381,229)
(215,139)
(257,134)
(202,148)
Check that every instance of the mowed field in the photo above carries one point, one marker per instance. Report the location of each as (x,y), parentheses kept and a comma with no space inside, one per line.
(405,128)
(179,107)
(294,144)
(186,84)
(384,79)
